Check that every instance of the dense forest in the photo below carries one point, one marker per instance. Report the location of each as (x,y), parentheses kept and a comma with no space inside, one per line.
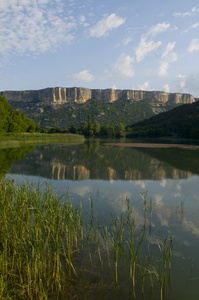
(182,121)
(14,121)
(121,111)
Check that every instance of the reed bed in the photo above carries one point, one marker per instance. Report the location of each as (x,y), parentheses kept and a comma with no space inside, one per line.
(18,139)
(48,251)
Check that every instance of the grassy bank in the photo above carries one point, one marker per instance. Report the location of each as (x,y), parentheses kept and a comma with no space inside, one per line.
(15,140)
(48,251)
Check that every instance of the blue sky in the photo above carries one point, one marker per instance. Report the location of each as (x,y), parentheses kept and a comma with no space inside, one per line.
(129,44)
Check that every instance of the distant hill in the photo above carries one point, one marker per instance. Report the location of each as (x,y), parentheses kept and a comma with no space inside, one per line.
(14,121)
(182,121)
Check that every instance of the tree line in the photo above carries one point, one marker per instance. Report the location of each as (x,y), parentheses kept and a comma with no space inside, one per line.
(12,121)
(91,129)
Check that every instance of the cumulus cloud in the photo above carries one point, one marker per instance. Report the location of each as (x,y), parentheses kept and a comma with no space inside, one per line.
(144,86)
(194,45)
(186,84)
(84,75)
(33,26)
(166,88)
(108,23)
(163,69)
(146,44)
(168,57)
(122,67)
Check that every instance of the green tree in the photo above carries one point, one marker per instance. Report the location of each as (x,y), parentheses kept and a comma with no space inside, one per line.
(90,131)
(14,127)
(84,127)
(96,128)
(14,121)
(107,131)
(120,130)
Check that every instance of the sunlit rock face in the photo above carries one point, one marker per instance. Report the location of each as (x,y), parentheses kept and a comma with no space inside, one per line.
(59,95)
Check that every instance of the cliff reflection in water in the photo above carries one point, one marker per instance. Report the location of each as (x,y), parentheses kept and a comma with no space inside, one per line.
(92,160)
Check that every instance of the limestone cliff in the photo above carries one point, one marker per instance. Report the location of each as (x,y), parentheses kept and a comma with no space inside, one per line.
(58,95)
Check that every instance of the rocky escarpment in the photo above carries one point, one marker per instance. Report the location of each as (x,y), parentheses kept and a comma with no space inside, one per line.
(58,96)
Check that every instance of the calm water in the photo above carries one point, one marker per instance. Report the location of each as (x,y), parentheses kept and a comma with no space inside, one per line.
(109,175)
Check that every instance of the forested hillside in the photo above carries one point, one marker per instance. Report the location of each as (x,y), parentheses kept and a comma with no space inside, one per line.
(182,121)
(120,111)
(14,121)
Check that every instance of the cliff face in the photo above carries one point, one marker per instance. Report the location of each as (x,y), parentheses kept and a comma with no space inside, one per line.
(58,95)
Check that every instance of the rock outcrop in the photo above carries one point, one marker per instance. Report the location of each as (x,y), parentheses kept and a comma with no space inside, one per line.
(58,96)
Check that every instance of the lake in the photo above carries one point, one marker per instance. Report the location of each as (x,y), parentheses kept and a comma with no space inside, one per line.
(159,186)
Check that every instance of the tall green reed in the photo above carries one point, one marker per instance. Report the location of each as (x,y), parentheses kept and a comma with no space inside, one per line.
(45,245)
(39,235)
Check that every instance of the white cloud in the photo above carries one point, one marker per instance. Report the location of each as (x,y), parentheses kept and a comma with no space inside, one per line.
(168,49)
(123,67)
(168,57)
(144,86)
(146,44)
(190,13)
(144,48)
(194,45)
(33,26)
(163,69)
(105,25)
(158,28)
(83,76)
(127,41)
(166,88)
(181,80)
(186,84)
(195,25)
(82,21)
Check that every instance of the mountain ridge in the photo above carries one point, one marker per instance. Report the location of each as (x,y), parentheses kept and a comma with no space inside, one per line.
(60,95)
(65,107)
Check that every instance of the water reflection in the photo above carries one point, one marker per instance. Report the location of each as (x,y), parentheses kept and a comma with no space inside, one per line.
(110,175)
(95,161)
(11,155)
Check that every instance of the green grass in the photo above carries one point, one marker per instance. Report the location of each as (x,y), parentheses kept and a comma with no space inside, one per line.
(16,140)
(48,250)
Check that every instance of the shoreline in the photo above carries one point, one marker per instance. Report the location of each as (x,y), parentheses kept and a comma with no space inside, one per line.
(20,139)
(153,145)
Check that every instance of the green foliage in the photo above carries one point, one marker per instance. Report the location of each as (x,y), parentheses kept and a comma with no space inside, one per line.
(182,121)
(96,128)
(120,130)
(53,130)
(90,129)
(10,155)
(14,121)
(121,111)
